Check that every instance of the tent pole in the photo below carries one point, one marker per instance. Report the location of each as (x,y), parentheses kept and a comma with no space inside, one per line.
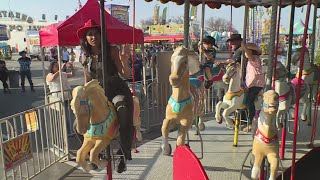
(272,44)
(133,45)
(104,67)
(44,76)
(63,100)
(298,90)
(203,6)
(186,23)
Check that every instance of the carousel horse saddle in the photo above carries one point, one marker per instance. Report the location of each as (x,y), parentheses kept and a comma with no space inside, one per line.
(295,81)
(178,106)
(102,128)
(195,82)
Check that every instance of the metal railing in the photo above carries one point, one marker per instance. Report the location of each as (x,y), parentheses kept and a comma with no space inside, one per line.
(69,116)
(153,101)
(32,141)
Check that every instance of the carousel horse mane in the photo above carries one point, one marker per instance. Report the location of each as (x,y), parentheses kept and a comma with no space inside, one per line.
(281,71)
(89,89)
(296,56)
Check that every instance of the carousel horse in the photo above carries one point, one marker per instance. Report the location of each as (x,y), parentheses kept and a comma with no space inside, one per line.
(265,143)
(235,97)
(217,73)
(187,99)
(286,91)
(310,71)
(97,121)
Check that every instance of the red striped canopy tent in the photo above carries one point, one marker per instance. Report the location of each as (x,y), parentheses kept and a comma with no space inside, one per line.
(65,33)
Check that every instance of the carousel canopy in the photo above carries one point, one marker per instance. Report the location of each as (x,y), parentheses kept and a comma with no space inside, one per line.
(65,33)
(237,3)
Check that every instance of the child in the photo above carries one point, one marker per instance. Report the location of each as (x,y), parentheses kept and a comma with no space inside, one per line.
(4,76)
(255,80)
(25,71)
(209,51)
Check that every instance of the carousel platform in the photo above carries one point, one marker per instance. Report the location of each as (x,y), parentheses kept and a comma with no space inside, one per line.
(221,161)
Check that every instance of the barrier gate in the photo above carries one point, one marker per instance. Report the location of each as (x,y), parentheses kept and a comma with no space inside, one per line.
(32,141)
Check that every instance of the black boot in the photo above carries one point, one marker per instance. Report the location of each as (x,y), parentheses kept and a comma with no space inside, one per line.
(23,89)
(121,165)
(208,84)
(32,89)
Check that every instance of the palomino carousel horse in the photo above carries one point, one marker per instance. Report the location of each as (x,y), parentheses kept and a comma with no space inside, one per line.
(265,143)
(186,101)
(235,97)
(286,91)
(309,72)
(97,121)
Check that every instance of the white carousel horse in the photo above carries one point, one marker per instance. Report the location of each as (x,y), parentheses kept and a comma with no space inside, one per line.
(187,99)
(266,143)
(235,97)
(310,72)
(286,91)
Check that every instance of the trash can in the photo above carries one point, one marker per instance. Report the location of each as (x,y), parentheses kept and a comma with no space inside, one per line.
(14,78)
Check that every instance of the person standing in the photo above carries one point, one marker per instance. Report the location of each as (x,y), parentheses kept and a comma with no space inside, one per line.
(72,56)
(25,70)
(65,55)
(53,80)
(4,76)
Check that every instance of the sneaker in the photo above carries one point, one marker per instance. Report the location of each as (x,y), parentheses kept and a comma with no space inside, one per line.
(208,84)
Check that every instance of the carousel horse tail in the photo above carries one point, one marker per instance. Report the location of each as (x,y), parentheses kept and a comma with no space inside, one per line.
(136,117)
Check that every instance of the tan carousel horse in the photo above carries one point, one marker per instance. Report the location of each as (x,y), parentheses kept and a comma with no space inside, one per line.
(97,121)
(265,143)
(186,101)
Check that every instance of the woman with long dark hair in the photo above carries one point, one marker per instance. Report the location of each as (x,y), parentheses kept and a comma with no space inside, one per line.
(117,90)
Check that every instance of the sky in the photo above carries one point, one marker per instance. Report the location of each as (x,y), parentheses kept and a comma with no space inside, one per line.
(144,10)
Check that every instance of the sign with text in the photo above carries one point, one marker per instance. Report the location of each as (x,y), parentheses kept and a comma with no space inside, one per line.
(32,121)
(166,29)
(119,12)
(17,151)
(16,16)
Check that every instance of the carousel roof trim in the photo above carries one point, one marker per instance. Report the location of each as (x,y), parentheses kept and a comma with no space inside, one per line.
(216,4)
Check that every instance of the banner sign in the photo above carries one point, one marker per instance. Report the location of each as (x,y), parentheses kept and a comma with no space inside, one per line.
(17,151)
(156,14)
(32,121)
(166,29)
(119,12)
(3,33)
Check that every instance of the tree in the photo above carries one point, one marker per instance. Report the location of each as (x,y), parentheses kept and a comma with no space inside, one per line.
(219,24)
(146,22)
(176,20)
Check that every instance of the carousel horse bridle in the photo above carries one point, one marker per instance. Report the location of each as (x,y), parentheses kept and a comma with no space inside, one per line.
(93,131)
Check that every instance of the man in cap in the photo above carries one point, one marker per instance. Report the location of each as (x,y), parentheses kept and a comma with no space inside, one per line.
(235,41)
